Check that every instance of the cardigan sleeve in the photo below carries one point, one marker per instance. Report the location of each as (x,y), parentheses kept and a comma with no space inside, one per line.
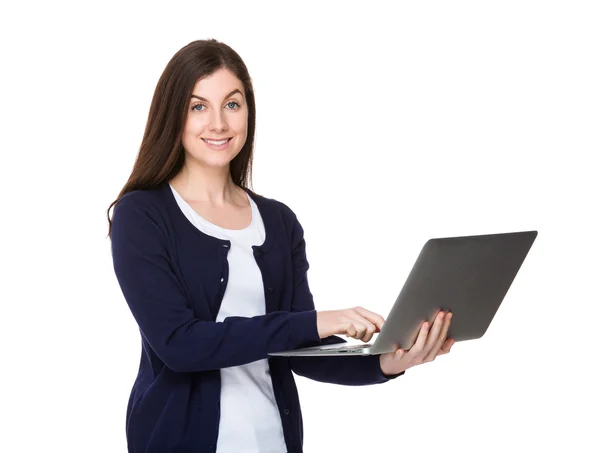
(345,370)
(164,315)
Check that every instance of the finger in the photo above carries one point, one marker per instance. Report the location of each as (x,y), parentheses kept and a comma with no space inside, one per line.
(361,329)
(349,329)
(444,334)
(369,332)
(368,329)
(420,343)
(374,318)
(441,338)
(429,351)
(355,329)
(445,349)
(447,346)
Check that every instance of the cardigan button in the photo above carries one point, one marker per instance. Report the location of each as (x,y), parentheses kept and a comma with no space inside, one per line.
(286,411)
(270,289)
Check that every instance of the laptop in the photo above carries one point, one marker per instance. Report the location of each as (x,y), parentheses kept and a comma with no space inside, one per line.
(467,275)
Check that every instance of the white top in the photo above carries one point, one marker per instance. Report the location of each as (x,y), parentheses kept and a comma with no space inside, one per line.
(250,421)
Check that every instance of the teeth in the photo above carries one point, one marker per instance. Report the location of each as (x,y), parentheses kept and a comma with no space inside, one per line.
(221,142)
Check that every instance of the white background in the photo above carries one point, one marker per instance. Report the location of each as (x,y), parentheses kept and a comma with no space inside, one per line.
(381,127)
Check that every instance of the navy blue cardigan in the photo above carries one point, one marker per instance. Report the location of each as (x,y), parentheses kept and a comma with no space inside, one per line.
(173,278)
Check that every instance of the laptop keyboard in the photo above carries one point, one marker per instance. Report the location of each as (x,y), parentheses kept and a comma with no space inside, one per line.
(348,346)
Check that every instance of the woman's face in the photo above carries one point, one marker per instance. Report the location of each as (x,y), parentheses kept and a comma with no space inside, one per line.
(217,120)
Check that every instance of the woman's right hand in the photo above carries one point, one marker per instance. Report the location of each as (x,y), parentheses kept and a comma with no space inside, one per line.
(356,322)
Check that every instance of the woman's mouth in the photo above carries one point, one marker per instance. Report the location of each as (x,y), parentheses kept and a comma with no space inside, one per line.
(217,145)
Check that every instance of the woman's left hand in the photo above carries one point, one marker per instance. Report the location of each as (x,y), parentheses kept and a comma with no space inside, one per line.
(430,343)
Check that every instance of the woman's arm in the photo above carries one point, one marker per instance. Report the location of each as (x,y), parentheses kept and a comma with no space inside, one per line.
(164,316)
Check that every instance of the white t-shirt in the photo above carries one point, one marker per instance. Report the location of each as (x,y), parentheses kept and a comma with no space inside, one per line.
(250,420)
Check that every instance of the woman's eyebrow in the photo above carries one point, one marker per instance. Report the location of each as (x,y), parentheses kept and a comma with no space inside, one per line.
(229,95)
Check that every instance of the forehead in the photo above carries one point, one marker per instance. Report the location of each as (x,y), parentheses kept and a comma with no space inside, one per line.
(218,84)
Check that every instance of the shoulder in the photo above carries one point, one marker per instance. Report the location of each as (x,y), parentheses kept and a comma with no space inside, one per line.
(141,207)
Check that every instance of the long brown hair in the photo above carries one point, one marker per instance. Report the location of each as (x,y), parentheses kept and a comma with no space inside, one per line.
(161,155)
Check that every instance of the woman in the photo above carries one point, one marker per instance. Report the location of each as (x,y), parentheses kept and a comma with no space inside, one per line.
(215,276)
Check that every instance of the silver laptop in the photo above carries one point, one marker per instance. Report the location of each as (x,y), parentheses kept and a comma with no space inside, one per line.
(467,275)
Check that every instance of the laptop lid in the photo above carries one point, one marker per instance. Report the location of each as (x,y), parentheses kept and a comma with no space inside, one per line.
(467,275)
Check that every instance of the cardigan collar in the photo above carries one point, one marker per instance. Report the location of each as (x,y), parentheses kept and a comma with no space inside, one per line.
(265,206)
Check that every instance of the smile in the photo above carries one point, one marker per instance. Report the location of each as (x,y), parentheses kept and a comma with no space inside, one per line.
(216,142)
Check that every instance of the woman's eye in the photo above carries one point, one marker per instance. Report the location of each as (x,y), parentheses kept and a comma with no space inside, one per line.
(230,105)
